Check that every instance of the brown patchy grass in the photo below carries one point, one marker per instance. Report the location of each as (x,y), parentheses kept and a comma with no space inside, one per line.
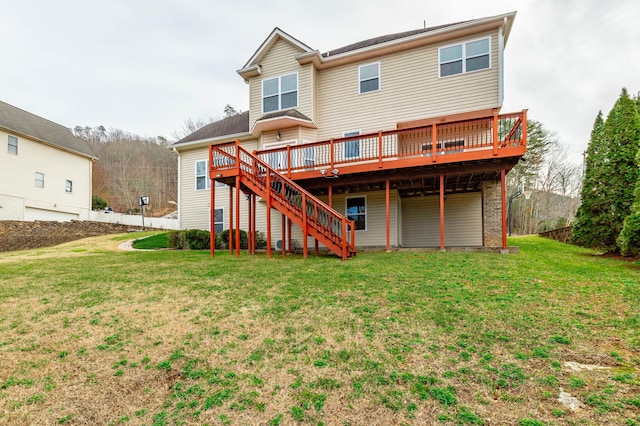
(93,335)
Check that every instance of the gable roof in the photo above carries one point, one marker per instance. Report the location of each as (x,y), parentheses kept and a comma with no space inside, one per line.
(271,39)
(234,125)
(18,121)
(385,38)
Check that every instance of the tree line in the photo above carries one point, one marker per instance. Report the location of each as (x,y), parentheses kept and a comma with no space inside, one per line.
(609,215)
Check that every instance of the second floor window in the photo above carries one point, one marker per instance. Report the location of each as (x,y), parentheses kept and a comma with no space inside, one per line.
(13,145)
(369,77)
(68,187)
(280,93)
(39,180)
(202,182)
(465,57)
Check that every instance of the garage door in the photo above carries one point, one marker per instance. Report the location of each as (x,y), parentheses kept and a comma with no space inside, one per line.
(462,225)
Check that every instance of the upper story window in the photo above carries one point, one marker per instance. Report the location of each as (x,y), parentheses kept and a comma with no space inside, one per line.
(68,186)
(465,57)
(39,180)
(12,147)
(202,182)
(280,93)
(369,77)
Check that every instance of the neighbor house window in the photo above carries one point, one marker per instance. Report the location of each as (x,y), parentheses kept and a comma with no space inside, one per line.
(369,77)
(39,180)
(351,149)
(280,93)
(357,211)
(218,221)
(202,181)
(465,57)
(12,147)
(68,187)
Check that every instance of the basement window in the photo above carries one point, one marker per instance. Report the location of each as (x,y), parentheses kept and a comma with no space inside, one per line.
(356,208)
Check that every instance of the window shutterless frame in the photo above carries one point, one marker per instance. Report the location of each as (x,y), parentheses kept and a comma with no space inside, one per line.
(462,58)
(369,78)
(356,210)
(39,180)
(202,179)
(280,93)
(12,145)
(351,149)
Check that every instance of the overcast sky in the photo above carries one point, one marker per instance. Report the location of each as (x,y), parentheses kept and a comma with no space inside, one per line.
(146,66)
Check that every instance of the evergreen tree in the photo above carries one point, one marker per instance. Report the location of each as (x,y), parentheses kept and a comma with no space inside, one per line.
(608,189)
(629,238)
(589,217)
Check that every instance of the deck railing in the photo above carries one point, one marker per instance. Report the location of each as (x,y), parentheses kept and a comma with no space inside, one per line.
(490,134)
(329,226)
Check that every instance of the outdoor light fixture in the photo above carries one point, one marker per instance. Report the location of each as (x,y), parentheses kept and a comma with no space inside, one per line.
(278,136)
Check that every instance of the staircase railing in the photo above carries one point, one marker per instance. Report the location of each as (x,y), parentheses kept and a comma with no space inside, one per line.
(314,216)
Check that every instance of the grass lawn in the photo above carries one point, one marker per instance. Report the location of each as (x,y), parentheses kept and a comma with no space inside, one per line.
(93,335)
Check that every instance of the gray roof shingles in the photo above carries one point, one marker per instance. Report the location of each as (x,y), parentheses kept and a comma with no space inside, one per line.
(25,123)
(240,123)
(225,127)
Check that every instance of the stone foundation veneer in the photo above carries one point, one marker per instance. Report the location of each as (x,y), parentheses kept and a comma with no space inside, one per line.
(492,214)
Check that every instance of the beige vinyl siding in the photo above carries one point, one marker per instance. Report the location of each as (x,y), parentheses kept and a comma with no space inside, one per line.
(280,60)
(410,89)
(375,234)
(462,224)
(194,204)
(52,202)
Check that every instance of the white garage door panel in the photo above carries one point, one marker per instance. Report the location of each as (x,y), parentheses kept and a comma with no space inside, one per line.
(463,221)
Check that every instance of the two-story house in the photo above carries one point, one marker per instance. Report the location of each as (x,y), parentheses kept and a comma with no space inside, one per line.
(401,136)
(45,171)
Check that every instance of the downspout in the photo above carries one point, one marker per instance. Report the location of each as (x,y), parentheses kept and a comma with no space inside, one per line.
(501,63)
(179,189)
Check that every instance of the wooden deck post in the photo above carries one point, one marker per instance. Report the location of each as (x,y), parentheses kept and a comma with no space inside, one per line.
(503,199)
(268,213)
(237,215)
(305,227)
(230,235)
(387,216)
(212,217)
(289,234)
(330,194)
(441,211)
(284,234)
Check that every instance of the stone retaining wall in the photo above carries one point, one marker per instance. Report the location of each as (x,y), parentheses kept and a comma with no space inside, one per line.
(19,235)
(562,234)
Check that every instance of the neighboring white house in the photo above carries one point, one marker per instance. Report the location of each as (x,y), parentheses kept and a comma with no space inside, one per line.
(433,94)
(45,171)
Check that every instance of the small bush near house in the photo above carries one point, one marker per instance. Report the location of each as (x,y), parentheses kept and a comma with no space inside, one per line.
(244,241)
(175,240)
(98,203)
(197,239)
(261,240)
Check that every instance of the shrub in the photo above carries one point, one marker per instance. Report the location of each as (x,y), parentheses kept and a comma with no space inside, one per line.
(244,241)
(197,239)
(261,240)
(175,240)
(98,203)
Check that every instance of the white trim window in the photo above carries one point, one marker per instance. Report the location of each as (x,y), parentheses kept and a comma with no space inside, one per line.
(465,57)
(356,210)
(68,186)
(202,180)
(278,160)
(280,93)
(12,145)
(351,149)
(218,221)
(39,180)
(369,78)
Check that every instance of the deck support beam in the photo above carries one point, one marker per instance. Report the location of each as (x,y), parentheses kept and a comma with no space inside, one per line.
(441,212)
(387,215)
(230,234)
(503,201)
(237,232)
(212,219)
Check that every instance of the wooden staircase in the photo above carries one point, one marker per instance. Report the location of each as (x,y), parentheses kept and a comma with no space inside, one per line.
(314,217)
